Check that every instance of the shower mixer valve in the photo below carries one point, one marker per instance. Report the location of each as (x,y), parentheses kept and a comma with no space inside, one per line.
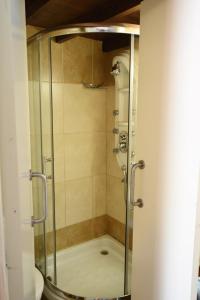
(123,141)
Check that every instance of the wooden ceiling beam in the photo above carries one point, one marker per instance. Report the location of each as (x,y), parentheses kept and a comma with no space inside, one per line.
(108,12)
(129,12)
(32,6)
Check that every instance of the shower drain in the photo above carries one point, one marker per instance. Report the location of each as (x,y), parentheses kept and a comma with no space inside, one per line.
(104,252)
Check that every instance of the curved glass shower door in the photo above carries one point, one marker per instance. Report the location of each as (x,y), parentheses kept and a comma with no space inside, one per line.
(87,109)
(41,152)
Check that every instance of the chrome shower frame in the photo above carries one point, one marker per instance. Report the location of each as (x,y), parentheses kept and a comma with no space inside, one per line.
(128,29)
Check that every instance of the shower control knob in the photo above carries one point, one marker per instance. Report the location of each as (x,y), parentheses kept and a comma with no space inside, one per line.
(115,131)
(115,112)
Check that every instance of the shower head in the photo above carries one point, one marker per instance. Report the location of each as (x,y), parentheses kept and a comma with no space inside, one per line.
(91,85)
(115,69)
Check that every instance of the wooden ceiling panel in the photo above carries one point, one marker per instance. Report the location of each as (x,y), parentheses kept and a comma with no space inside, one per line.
(53,13)
(59,12)
(33,6)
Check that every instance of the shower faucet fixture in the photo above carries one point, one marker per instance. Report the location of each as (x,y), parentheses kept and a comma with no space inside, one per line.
(115,69)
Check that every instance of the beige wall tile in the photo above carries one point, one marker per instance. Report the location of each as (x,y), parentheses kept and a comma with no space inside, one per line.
(98,63)
(44,60)
(85,155)
(60,204)
(59,157)
(34,107)
(110,106)
(84,109)
(112,164)
(77,60)
(78,200)
(58,107)
(80,232)
(99,195)
(100,226)
(116,229)
(33,61)
(57,62)
(46,145)
(115,199)
(38,60)
(36,163)
(109,79)
(74,234)
(45,108)
(61,240)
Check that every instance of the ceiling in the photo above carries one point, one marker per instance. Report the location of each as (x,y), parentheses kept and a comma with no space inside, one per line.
(52,13)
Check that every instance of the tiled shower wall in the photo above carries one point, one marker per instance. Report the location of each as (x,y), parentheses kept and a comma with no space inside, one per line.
(79,132)
(88,186)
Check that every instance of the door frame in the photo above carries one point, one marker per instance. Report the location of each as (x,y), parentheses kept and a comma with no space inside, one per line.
(15,155)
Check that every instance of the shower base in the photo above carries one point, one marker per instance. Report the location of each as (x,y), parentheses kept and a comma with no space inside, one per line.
(94,269)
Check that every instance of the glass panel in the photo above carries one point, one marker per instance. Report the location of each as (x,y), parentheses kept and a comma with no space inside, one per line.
(90,163)
(42,152)
(36,149)
(47,154)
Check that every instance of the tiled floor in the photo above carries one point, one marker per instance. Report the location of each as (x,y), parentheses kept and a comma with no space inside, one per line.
(82,270)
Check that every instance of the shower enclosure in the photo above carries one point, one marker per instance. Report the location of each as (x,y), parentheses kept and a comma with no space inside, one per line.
(83,105)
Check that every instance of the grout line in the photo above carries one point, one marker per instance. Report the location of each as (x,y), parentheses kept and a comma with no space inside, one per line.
(80,132)
(79,178)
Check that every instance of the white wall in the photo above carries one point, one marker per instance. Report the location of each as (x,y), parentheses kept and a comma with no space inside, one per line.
(3,270)
(15,152)
(166,230)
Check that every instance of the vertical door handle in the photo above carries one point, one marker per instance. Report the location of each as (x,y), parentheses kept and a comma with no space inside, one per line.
(44,198)
(141,165)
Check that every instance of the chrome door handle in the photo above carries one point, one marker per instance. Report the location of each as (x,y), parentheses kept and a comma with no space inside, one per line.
(45,197)
(141,165)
